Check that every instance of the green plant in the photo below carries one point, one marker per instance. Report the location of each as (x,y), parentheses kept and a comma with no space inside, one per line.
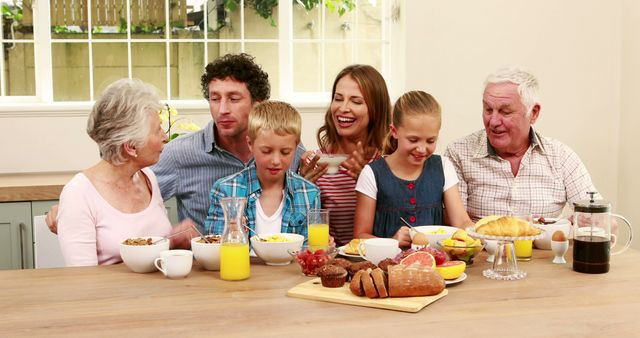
(168,116)
(265,8)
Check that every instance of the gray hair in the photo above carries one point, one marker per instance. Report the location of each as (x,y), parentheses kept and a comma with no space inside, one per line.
(121,116)
(527,84)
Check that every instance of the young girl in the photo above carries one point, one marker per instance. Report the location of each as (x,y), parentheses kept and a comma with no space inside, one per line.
(411,182)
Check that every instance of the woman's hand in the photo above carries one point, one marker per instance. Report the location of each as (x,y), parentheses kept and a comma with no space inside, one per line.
(183,240)
(403,236)
(356,161)
(309,167)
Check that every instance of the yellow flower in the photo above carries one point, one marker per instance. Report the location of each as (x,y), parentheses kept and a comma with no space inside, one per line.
(183,126)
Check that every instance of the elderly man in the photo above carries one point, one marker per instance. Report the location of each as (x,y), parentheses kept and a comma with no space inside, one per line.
(508,167)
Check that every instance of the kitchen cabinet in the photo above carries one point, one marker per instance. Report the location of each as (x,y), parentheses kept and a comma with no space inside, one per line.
(16,236)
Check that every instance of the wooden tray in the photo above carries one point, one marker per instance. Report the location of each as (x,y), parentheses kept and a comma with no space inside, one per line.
(314,290)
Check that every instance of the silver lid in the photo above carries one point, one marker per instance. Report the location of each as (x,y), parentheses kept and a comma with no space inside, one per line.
(592,206)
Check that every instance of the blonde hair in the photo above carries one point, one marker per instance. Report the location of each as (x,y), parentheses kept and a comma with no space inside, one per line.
(279,117)
(413,103)
(120,116)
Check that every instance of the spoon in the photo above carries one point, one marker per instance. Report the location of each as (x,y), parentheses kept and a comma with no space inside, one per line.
(255,233)
(169,236)
(411,228)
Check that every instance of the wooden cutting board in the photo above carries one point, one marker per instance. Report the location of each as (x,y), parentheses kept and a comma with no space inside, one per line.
(314,290)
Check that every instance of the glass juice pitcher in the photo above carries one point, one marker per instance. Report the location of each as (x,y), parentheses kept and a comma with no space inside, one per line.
(234,247)
(592,235)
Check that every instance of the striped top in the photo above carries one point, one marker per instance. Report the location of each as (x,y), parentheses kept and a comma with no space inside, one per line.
(191,164)
(338,194)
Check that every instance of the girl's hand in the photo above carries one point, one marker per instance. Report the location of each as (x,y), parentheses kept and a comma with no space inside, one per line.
(403,236)
(183,240)
(309,167)
(356,161)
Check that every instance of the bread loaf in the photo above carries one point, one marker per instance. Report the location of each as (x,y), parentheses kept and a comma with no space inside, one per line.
(380,281)
(367,284)
(356,284)
(508,226)
(414,280)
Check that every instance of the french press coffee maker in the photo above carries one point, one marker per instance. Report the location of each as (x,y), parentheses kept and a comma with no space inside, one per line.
(593,238)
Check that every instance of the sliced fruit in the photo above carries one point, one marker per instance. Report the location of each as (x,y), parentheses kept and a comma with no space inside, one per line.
(460,235)
(421,257)
(439,255)
(451,269)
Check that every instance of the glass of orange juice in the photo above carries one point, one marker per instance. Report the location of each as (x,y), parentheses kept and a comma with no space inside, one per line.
(524,249)
(318,221)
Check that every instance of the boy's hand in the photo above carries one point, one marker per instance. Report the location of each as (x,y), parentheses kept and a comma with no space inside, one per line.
(356,161)
(309,167)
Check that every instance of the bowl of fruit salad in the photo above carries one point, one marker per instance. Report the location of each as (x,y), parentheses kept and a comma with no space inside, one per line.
(311,259)
(273,249)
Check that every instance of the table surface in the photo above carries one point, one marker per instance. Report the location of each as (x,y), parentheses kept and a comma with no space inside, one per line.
(552,301)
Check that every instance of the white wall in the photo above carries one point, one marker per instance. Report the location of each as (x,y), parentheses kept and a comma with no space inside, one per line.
(628,182)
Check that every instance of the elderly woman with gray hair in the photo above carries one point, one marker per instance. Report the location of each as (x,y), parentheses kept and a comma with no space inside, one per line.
(119,197)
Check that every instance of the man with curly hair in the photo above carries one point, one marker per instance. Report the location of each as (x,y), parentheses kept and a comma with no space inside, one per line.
(190,165)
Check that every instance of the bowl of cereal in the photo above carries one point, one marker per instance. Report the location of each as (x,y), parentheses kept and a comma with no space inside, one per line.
(138,253)
(206,250)
(433,233)
(273,249)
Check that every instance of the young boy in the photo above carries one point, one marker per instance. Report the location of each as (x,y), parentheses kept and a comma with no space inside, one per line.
(277,199)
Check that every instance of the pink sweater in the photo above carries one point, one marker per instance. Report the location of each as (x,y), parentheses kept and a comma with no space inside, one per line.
(90,230)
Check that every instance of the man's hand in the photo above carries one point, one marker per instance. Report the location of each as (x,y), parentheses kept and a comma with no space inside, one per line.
(309,167)
(183,240)
(52,219)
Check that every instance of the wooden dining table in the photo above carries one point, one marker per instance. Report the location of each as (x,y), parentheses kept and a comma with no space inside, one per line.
(109,301)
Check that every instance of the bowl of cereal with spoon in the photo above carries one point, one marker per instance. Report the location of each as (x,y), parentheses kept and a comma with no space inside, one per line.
(273,249)
(138,253)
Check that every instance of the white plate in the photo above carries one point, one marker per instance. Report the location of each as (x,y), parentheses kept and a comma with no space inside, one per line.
(342,253)
(457,280)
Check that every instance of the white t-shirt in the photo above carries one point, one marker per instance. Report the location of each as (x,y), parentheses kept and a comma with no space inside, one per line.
(268,224)
(367,180)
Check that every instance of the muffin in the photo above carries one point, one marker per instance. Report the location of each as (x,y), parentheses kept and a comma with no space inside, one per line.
(384,264)
(354,267)
(332,276)
(341,262)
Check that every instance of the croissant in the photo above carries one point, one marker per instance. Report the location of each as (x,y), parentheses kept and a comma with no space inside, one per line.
(507,226)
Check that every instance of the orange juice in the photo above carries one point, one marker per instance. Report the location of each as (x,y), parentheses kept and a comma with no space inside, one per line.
(524,250)
(234,261)
(318,235)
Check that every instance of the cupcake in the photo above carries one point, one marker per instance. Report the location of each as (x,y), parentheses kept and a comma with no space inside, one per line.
(341,262)
(332,276)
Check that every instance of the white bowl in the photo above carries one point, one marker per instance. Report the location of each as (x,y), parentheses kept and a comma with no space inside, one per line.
(443,232)
(277,253)
(139,258)
(207,254)
(561,224)
(333,160)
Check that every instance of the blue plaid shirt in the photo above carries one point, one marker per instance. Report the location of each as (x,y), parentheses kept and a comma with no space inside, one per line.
(300,195)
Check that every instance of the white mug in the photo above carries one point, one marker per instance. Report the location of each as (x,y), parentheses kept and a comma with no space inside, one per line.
(378,249)
(174,263)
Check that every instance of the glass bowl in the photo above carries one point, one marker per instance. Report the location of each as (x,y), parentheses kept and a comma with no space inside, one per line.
(311,259)
(461,251)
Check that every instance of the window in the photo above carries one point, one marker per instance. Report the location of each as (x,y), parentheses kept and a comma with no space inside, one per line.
(302,44)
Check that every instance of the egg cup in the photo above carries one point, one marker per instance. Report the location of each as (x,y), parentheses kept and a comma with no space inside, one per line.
(559,248)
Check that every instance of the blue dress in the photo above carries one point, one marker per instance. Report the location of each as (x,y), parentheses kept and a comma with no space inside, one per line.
(419,202)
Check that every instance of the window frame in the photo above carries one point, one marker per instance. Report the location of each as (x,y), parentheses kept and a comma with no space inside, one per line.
(42,103)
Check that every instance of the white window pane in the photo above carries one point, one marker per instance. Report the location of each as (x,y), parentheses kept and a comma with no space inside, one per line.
(266,55)
(369,19)
(69,19)
(261,23)
(307,66)
(369,53)
(70,71)
(306,24)
(187,65)
(109,64)
(223,23)
(187,22)
(337,56)
(149,64)
(217,49)
(339,27)
(19,79)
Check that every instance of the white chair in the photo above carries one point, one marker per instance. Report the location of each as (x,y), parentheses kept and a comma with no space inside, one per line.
(46,249)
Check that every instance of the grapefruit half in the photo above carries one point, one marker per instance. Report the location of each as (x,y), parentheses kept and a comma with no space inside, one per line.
(421,257)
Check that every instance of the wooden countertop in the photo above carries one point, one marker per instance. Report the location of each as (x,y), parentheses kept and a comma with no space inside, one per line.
(33,186)
(110,300)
